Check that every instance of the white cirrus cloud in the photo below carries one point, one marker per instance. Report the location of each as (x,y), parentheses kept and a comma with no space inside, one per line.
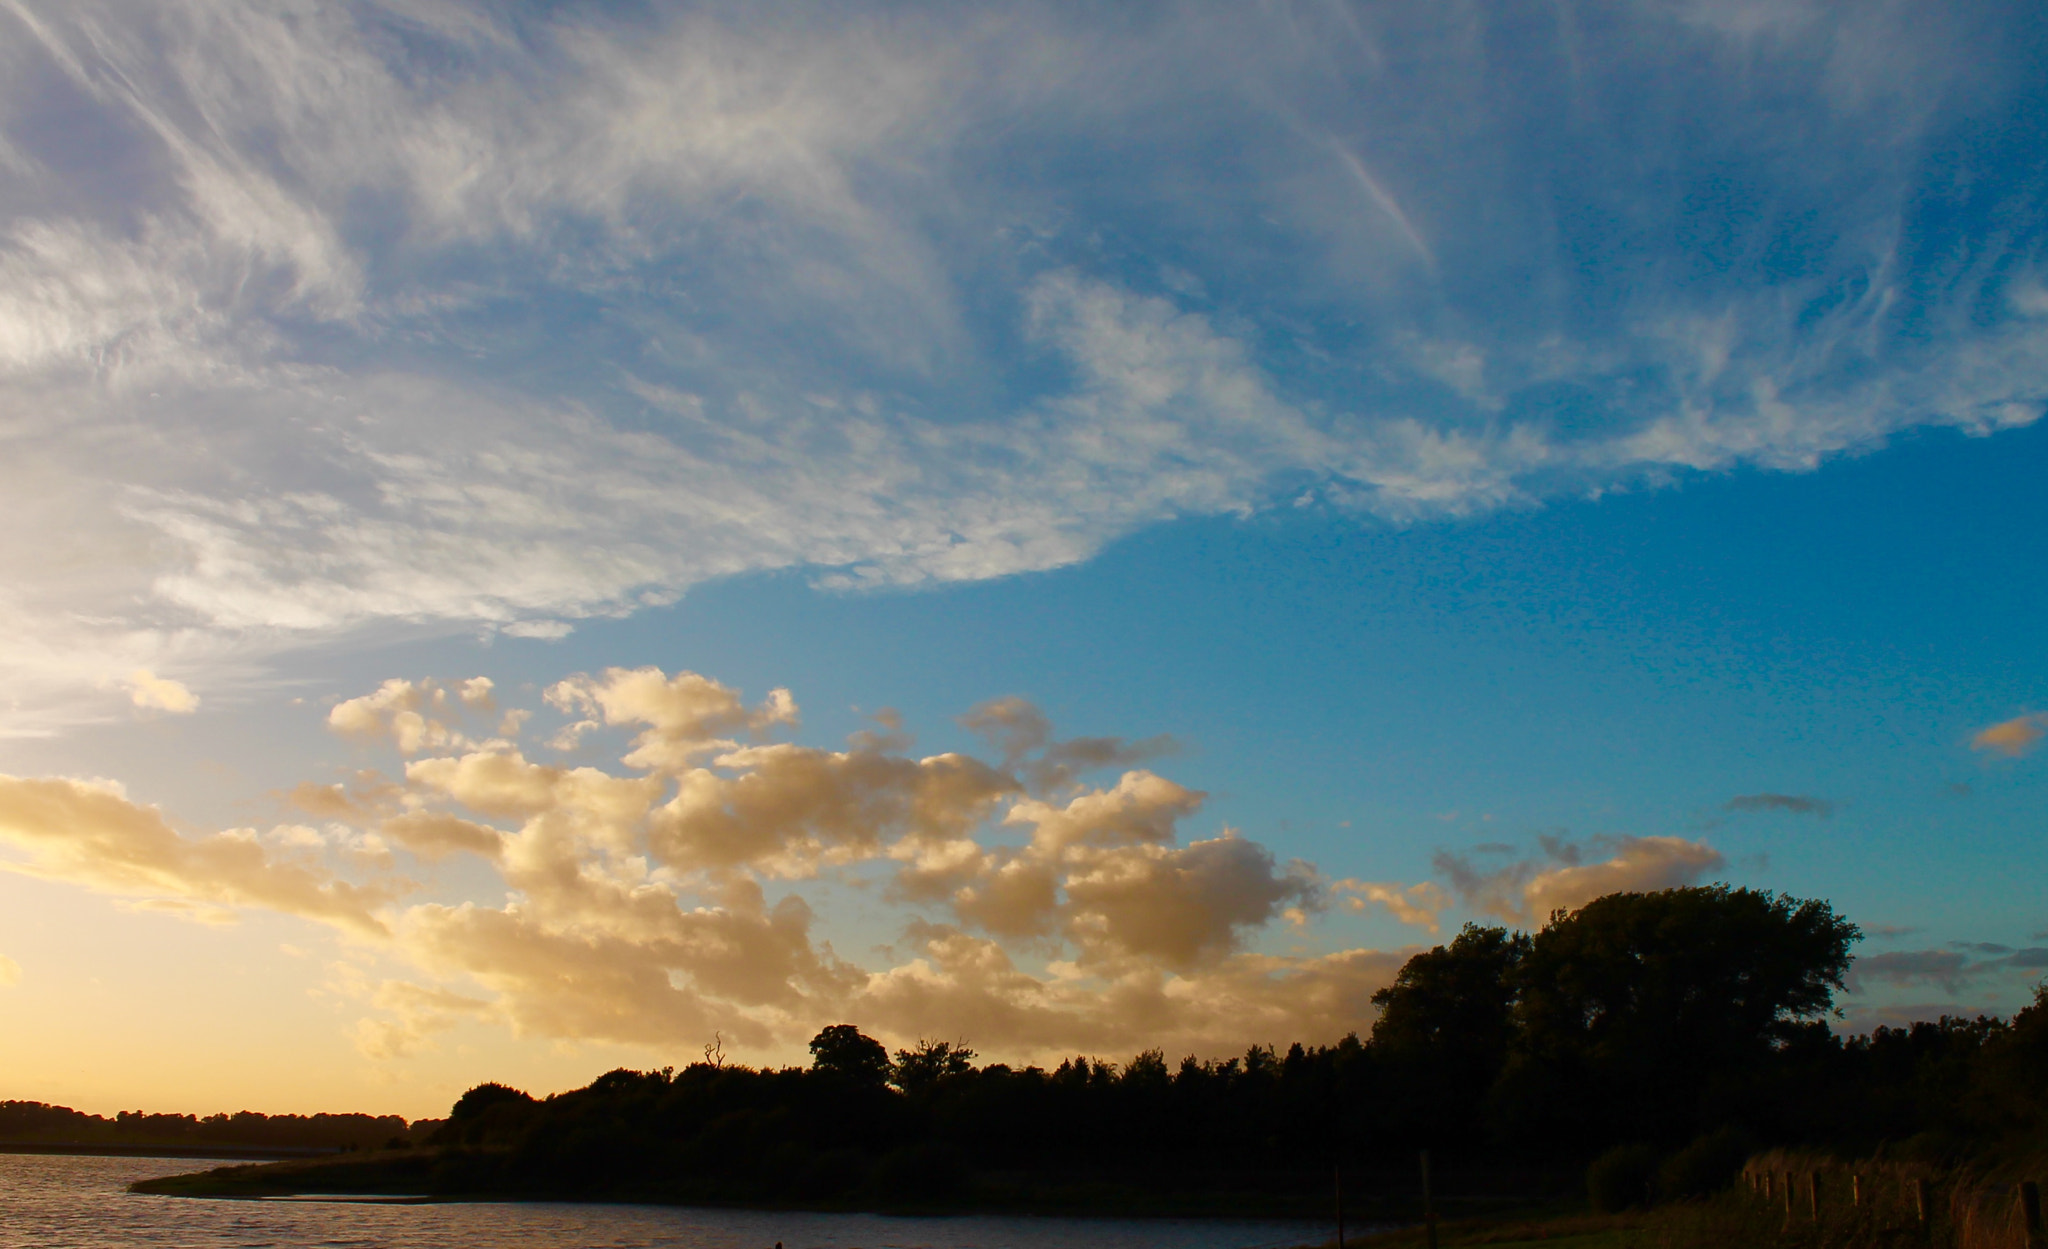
(489,317)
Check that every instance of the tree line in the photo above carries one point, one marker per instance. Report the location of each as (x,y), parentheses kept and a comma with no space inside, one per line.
(1695,1016)
(27,1122)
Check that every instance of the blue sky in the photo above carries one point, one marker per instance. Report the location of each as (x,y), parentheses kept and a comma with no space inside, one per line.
(1477,455)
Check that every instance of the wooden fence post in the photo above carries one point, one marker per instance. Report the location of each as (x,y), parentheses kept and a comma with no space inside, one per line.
(2030,1212)
(1790,1184)
(1856,1190)
(1920,1201)
(1813,1194)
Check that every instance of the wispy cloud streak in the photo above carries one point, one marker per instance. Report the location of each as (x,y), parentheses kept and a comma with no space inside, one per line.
(487,317)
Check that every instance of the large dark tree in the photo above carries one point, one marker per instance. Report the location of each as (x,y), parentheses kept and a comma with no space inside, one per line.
(846,1051)
(1444,1031)
(1651,1014)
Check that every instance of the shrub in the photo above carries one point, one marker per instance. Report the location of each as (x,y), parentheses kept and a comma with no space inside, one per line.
(1621,1177)
(1704,1167)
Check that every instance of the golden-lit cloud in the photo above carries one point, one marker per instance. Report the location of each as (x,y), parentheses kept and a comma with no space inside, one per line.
(786,809)
(326,801)
(969,986)
(1639,865)
(1419,904)
(1141,808)
(2012,738)
(417,1013)
(637,912)
(1050,899)
(435,835)
(687,715)
(1175,907)
(1529,890)
(419,715)
(152,692)
(10,972)
(90,833)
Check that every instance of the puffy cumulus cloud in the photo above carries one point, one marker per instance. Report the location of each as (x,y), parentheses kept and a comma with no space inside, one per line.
(393,710)
(504,783)
(415,715)
(636,911)
(1179,907)
(746,969)
(631,903)
(215,457)
(148,690)
(686,715)
(92,834)
(1140,808)
(969,986)
(1527,891)
(786,808)
(437,834)
(1638,865)
(1419,904)
(2011,738)
(1103,872)
(1006,893)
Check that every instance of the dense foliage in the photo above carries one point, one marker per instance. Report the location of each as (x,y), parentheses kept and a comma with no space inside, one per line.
(39,1123)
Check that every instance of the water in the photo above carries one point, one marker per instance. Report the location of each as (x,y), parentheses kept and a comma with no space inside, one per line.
(83,1203)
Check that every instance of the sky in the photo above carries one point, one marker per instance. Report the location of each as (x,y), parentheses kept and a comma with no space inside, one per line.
(552,537)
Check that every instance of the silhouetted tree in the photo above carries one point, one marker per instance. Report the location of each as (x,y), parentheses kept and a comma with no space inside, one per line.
(1630,1009)
(846,1051)
(930,1062)
(1444,1031)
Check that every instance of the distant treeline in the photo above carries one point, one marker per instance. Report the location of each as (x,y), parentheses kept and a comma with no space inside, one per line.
(39,1123)
(1684,1016)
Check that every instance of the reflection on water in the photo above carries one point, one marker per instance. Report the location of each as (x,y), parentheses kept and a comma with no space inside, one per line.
(82,1203)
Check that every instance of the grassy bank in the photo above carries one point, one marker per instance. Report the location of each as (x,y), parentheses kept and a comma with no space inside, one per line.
(1864,1203)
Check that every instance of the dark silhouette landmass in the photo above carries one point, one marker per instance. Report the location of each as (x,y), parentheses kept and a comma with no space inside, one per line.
(1649,1043)
(37,1127)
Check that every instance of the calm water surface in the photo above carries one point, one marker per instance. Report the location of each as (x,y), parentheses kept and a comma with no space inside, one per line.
(83,1203)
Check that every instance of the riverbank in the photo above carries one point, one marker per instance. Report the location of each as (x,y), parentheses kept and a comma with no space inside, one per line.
(458,1175)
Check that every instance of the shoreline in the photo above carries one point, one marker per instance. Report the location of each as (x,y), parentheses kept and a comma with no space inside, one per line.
(403,1179)
(226,1153)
